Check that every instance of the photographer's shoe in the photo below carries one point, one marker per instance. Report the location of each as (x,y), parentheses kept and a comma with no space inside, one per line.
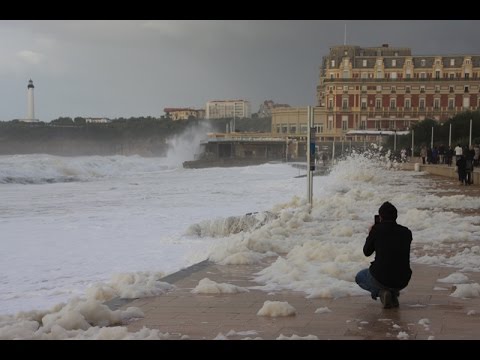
(395,303)
(386,299)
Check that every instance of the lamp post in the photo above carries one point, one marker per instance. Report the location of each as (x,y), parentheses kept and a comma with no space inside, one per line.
(450,136)
(470,139)
(413,137)
(310,154)
(395,140)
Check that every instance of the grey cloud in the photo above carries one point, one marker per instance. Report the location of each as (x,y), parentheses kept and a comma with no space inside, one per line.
(133,68)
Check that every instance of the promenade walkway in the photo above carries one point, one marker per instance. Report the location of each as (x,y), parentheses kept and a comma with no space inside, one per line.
(427,311)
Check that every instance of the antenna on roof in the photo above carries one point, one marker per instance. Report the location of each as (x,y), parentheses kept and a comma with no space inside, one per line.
(345,37)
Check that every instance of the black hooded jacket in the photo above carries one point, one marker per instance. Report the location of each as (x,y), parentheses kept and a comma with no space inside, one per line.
(391,243)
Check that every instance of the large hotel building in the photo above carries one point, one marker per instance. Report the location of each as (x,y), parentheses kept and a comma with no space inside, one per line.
(384,88)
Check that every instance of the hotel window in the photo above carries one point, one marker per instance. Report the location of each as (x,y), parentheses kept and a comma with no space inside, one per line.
(452,76)
(319,128)
(293,129)
(466,102)
(378,103)
(437,74)
(364,63)
(332,64)
(303,129)
(465,89)
(422,104)
(408,74)
(452,62)
(330,103)
(330,122)
(363,123)
(467,75)
(394,62)
(394,89)
(379,88)
(278,129)
(393,104)
(364,75)
(407,89)
(332,76)
(363,103)
(345,104)
(379,74)
(392,124)
(284,128)
(364,87)
(422,62)
(451,89)
(422,89)
(393,75)
(437,88)
(450,104)
(436,103)
(344,123)
(408,103)
(377,124)
(423,75)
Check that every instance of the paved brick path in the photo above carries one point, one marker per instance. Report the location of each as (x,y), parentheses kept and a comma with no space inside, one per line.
(205,316)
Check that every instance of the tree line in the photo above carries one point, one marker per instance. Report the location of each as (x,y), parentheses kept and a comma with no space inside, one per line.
(460,125)
(145,136)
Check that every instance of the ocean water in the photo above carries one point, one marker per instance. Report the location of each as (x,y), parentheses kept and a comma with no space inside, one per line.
(69,222)
(94,227)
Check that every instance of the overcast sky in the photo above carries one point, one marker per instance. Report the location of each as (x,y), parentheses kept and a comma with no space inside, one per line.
(137,68)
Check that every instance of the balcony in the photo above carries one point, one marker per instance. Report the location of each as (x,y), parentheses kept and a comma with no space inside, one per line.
(398,80)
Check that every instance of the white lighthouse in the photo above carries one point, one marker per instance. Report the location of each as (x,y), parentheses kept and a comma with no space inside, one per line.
(30,103)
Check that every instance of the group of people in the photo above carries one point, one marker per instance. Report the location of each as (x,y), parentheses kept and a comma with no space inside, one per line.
(466,160)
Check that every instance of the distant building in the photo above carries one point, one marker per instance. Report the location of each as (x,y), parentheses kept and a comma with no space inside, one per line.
(385,88)
(184,113)
(98,120)
(267,107)
(218,109)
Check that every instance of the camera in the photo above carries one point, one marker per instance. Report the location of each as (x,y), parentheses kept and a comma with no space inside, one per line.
(377,219)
